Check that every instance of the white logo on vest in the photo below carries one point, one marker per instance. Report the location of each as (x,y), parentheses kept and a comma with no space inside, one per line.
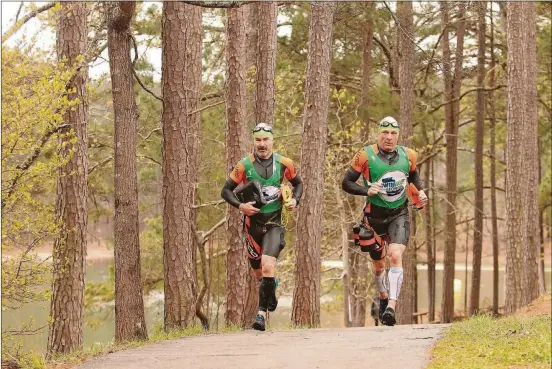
(271,193)
(393,184)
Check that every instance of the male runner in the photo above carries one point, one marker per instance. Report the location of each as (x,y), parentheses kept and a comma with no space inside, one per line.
(387,170)
(264,234)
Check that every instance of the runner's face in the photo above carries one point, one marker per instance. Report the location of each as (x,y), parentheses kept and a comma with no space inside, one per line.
(387,139)
(263,146)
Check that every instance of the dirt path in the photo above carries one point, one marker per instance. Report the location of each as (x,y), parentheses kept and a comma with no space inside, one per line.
(377,347)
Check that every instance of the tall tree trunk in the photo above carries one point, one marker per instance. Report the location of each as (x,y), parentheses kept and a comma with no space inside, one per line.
(252,31)
(405,30)
(366,67)
(514,161)
(306,295)
(129,305)
(182,35)
(358,263)
(69,254)
(479,139)
(266,62)
(237,266)
(452,91)
(494,215)
(252,34)
(433,282)
(430,244)
(429,226)
(530,154)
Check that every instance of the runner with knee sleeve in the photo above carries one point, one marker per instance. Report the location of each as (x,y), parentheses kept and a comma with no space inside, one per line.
(263,231)
(387,170)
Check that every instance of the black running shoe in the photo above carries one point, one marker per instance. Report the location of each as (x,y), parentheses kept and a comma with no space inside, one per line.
(259,324)
(382,307)
(273,300)
(388,317)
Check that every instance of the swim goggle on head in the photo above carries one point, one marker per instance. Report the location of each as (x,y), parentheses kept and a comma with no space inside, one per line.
(263,130)
(388,123)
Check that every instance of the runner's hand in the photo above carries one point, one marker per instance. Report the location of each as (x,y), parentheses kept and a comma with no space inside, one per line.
(374,189)
(423,198)
(291,204)
(248,209)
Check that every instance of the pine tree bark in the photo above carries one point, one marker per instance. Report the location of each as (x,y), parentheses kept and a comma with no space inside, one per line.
(266,62)
(452,91)
(69,254)
(531,155)
(252,31)
(405,29)
(181,84)
(130,322)
(514,162)
(359,281)
(479,139)
(492,151)
(237,266)
(306,295)
(430,244)
(252,34)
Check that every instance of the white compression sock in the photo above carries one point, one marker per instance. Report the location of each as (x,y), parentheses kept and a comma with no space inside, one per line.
(395,281)
(379,281)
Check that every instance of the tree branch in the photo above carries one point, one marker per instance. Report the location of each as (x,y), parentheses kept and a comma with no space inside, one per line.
(150,158)
(18,12)
(218,202)
(135,49)
(212,95)
(207,107)
(17,26)
(23,332)
(203,236)
(487,155)
(21,168)
(149,134)
(387,53)
(464,94)
(101,163)
(144,87)
(484,187)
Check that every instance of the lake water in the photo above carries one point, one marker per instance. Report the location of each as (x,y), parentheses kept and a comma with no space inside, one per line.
(99,323)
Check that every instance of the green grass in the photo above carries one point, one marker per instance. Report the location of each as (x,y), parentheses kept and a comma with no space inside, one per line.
(483,342)
(87,353)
